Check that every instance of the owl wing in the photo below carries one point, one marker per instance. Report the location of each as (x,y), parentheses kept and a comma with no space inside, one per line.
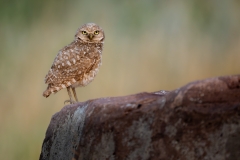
(68,67)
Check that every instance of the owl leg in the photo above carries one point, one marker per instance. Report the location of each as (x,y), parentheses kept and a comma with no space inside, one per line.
(74,93)
(70,96)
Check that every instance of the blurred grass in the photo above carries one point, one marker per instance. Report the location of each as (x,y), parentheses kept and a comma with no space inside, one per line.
(150,45)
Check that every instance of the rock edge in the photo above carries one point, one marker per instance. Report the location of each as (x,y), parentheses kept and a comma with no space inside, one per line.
(200,120)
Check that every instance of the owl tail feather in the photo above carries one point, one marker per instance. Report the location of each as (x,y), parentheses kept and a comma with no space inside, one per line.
(47,93)
(51,89)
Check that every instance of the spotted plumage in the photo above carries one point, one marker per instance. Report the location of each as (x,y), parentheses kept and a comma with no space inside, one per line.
(77,63)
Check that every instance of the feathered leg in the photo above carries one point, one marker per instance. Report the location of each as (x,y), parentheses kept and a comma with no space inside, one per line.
(70,96)
(75,95)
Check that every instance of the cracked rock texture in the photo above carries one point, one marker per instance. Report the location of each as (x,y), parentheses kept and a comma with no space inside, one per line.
(198,121)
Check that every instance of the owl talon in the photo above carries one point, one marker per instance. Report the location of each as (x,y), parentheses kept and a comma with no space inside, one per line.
(69,101)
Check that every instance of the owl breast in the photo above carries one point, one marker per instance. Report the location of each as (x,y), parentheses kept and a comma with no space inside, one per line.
(89,76)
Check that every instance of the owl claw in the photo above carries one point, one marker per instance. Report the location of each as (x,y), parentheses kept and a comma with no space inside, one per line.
(69,101)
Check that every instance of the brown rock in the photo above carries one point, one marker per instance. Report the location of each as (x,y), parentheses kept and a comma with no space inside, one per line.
(198,121)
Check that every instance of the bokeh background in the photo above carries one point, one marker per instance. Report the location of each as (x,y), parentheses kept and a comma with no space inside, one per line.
(150,45)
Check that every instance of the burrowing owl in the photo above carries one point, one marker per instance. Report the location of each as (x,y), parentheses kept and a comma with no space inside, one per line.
(77,63)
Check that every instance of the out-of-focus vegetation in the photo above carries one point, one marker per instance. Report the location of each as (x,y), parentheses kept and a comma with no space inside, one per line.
(150,45)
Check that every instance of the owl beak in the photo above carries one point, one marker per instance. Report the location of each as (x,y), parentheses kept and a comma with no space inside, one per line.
(90,36)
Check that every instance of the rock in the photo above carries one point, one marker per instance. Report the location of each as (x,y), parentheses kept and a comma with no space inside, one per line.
(198,121)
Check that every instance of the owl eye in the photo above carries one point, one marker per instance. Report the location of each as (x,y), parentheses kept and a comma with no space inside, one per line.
(96,32)
(84,32)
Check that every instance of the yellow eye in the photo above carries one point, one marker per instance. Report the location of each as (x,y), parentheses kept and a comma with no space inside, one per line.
(96,32)
(84,32)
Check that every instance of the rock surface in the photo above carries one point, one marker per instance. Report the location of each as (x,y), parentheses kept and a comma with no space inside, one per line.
(198,121)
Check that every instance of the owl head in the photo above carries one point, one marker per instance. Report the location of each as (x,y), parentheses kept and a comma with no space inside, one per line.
(90,33)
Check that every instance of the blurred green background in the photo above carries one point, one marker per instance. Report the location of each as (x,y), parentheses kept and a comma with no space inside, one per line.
(150,45)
